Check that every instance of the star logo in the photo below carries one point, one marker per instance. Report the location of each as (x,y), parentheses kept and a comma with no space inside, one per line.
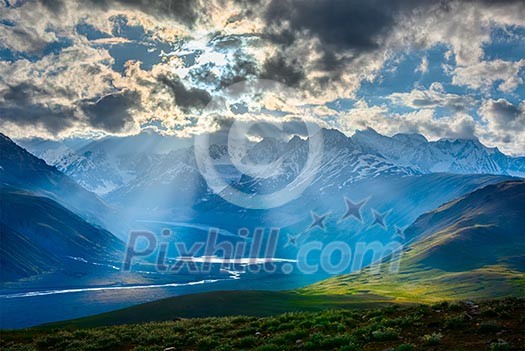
(400,233)
(353,210)
(379,219)
(292,240)
(318,221)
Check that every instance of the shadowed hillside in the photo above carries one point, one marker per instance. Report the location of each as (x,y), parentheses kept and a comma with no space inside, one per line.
(39,235)
(21,170)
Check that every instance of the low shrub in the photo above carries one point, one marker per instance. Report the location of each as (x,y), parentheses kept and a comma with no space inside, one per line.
(432,339)
(385,334)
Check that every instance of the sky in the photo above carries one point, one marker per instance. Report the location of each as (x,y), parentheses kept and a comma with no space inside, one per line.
(444,69)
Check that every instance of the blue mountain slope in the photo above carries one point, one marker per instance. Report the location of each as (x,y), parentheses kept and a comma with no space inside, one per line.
(21,170)
(482,228)
(39,235)
(20,258)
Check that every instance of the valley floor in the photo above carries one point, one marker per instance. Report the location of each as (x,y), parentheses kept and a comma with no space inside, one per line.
(489,325)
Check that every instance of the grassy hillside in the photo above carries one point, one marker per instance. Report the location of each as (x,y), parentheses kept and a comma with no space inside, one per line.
(224,303)
(470,248)
(491,325)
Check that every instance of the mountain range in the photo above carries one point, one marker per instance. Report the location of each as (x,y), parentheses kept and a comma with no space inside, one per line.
(106,164)
(113,166)
(160,180)
(459,156)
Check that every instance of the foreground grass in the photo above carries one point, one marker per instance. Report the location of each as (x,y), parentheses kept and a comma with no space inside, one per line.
(493,325)
(255,303)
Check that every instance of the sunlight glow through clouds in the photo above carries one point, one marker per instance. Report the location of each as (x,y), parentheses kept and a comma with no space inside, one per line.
(163,61)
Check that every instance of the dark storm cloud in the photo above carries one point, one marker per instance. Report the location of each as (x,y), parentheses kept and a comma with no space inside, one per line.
(186,99)
(279,69)
(506,112)
(344,28)
(186,11)
(55,6)
(18,107)
(347,24)
(21,93)
(505,115)
(113,112)
(344,24)
(51,119)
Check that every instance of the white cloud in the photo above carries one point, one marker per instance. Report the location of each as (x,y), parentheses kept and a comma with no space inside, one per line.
(434,97)
(463,25)
(504,125)
(483,74)
(422,121)
(423,66)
